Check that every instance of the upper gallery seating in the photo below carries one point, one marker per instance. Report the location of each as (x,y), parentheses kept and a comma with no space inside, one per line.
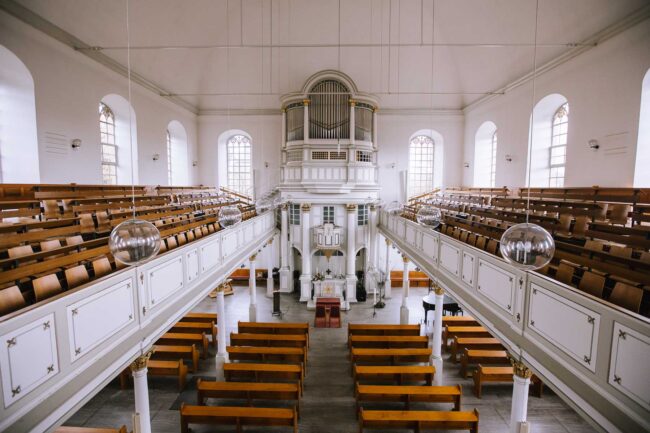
(601,234)
(54,238)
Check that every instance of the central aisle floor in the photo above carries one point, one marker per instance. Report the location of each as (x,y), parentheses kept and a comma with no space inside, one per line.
(328,403)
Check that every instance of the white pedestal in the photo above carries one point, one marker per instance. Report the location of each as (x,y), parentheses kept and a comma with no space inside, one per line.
(305,288)
(403,315)
(286,282)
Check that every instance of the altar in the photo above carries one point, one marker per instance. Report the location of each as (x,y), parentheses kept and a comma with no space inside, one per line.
(328,288)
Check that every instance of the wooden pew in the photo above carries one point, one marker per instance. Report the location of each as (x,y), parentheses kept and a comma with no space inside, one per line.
(268,340)
(196,328)
(449,332)
(459,344)
(474,356)
(264,372)
(200,317)
(408,394)
(459,321)
(274,328)
(185,339)
(417,420)
(377,329)
(70,429)
(399,374)
(177,352)
(291,355)
(392,356)
(237,416)
(388,341)
(485,374)
(248,391)
(160,368)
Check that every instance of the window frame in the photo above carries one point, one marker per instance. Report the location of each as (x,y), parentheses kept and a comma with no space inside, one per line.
(362,214)
(294,214)
(107,123)
(170,175)
(328,214)
(559,140)
(421,164)
(493,161)
(239,171)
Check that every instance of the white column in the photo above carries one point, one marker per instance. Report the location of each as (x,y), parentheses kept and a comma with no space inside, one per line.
(351,255)
(436,355)
(306,120)
(520,387)
(252,288)
(141,391)
(284,128)
(404,310)
(285,273)
(374,128)
(352,123)
(305,278)
(222,333)
(269,269)
(387,286)
(372,220)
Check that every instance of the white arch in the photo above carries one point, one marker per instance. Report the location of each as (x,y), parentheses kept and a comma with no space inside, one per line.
(222,154)
(541,123)
(18,136)
(438,154)
(126,138)
(641,172)
(483,154)
(180,167)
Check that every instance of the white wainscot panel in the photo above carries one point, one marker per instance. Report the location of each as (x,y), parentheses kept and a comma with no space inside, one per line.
(468,269)
(192,263)
(210,255)
(228,244)
(28,357)
(565,324)
(629,364)
(93,320)
(410,235)
(497,285)
(450,258)
(247,234)
(430,247)
(164,280)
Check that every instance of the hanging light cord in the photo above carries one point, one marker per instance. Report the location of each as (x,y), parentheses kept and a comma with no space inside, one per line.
(128,67)
(532,115)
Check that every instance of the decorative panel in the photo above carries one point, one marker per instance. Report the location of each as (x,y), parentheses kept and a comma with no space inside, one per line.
(449,258)
(210,255)
(192,264)
(430,247)
(410,235)
(164,280)
(28,357)
(497,285)
(565,324)
(228,244)
(468,269)
(93,320)
(628,370)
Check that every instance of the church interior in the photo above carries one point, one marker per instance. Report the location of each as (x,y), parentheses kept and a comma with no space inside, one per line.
(324,216)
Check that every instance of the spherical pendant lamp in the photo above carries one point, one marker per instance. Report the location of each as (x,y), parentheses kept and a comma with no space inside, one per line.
(429,216)
(134,242)
(229,216)
(527,246)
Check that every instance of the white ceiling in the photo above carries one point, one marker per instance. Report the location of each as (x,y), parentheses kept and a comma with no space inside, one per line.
(208,75)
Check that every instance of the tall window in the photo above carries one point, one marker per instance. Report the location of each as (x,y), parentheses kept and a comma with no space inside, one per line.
(362,214)
(420,176)
(239,164)
(109,148)
(294,214)
(557,153)
(169,158)
(328,214)
(493,161)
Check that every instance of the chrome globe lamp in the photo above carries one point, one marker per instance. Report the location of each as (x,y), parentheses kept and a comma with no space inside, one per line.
(229,216)
(134,242)
(527,246)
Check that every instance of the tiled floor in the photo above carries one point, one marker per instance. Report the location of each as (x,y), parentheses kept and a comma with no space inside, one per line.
(328,403)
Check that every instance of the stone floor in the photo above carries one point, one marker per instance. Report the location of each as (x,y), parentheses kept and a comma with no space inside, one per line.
(328,402)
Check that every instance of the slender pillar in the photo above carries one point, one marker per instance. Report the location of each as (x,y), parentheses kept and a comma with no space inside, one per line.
(387,285)
(519,409)
(305,278)
(436,355)
(372,220)
(404,310)
(222,354)
(141,390)
(285,273)
(284,128)
(350,274)
(352,121)
(305,102)
(269,269)
(252,287)
(374,128)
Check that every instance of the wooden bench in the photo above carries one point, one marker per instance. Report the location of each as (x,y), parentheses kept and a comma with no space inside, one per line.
(160,368)
(197,328)
(392,356)
(185,339)
(399,374)
(388,341)
(268,340)
(378,329)
(177,352)
(459,344)
(417,420)
(248,391)
(459,321)
(264,372)
(237,416)
(200,317)
(291,355)
(408,394)
(274,328)
(485,374)
(70,429)
(475,356)
(449,332)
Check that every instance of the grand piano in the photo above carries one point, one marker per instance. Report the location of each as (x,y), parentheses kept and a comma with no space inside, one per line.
(448,305)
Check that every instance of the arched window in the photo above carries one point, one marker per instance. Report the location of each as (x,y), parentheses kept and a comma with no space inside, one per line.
(493,161)
(485,155)
(109,148)
(177,156)
(641,172)
(238,150)
(169,158)
(557,153)
(421,159)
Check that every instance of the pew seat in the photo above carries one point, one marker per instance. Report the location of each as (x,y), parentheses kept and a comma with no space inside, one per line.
(274,328)
(408,394)
(185,339)
(197,328)
(237,416)
(200,317)
(268,340)
(382,329)
(417,420)
(264,372)
(459,344)
(390,356)
(394,374)
(459,321)
(248,391)
(477,356)
(388,341)
(177,352)
(449,332)
(291,355)
(484,374)
(71,429)
(160,368)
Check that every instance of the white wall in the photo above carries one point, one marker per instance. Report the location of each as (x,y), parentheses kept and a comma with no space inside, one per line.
(68,88)
(603,88)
